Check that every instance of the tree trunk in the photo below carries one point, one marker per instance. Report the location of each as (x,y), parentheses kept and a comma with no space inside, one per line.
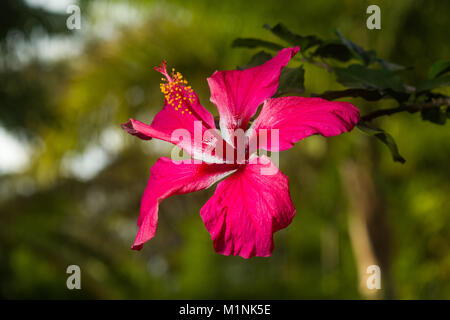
(368,228)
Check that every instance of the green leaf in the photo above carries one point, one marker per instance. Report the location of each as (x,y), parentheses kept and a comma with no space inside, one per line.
(304,42)
(359,76)
(255,43)
(438,68)
(366,94)
(257,60)
(292,80)
(369,95)
(389,65)
(366,56)
(436,115)
(335,50)
(384,137)
(433,83)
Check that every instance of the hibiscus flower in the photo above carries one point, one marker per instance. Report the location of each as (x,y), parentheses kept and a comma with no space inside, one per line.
(249,205)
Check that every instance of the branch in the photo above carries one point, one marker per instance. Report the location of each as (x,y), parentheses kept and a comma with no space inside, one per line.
(409,107)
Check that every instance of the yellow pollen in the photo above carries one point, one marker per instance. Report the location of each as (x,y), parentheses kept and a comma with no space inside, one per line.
(177,93)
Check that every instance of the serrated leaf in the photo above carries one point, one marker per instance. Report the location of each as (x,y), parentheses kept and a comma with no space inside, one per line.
(255,43)
(438,68)
(436,115)
(359,76)
(384,137)
(257,60)
(292,80)
(433,83)
(304,42)
(335,50)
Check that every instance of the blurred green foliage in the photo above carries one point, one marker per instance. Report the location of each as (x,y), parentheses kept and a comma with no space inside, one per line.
(53,214)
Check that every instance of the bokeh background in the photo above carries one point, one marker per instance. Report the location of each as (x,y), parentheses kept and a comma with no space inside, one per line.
(71,179)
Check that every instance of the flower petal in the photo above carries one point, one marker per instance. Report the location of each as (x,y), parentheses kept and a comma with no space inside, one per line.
(183,130)
(238,93)
(247,208)
(169,178)
(296,118)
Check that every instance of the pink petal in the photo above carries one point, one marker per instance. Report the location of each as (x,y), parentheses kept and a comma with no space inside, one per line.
(143,131)
(183,130)
(169,178)
(247,208)
(238,93)
(297,118)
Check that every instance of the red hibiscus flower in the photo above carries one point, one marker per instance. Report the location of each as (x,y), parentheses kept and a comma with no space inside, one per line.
(249,205)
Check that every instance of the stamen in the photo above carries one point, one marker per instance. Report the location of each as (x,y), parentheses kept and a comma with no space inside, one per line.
(176,92)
